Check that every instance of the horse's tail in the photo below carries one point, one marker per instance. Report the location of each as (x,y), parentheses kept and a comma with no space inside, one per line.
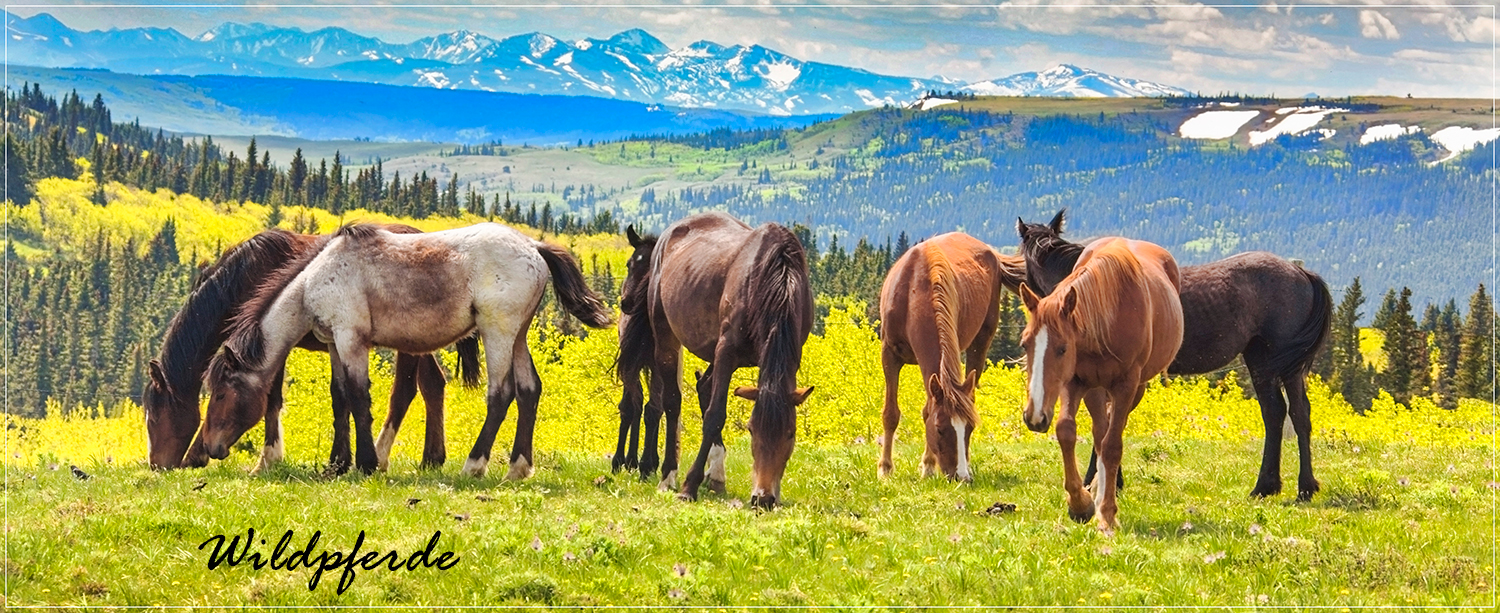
(572,291)
(1297,359)
(468,360)
(637,348)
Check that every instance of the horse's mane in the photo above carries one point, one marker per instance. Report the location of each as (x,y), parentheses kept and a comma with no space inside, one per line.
(197,330)
(637,340)
(1012,270)
(1108,273)
(245,335)
(633,289)
(945,298)
(782,274)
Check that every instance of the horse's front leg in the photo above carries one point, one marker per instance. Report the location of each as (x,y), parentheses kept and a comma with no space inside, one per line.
(630,416)
(651,425)
(1122,399)
(714,399)
(528,397)
(351,377)
(275,449)
(890,416)
(669,365)
(340,456)
(431,382)
(403,391)
(1080,504)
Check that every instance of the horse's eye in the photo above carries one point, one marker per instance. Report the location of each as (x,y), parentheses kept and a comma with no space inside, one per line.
(1062,350)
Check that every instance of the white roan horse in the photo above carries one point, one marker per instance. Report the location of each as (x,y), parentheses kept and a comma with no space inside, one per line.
(414,293)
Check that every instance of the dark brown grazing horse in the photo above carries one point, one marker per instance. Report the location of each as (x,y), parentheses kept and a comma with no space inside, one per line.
(636,354)
(1274,313)
(197,330)
(940,299)
(1112,325)
(735,297)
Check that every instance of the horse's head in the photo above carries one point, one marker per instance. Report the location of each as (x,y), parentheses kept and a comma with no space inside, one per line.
(1048,257)
(637,270)
(773,432)
(237,401)
(170,422)
(1050,344)
(949,418)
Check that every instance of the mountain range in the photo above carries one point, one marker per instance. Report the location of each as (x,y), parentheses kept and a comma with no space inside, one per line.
(632,65)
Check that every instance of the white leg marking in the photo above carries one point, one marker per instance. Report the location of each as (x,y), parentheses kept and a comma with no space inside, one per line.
(519,469)
(383,448)
(1035,412)
(669,482)
(716,463)
(959,428)
(476,467)
(271,454)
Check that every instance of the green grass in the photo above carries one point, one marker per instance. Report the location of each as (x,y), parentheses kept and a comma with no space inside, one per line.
(1393,525)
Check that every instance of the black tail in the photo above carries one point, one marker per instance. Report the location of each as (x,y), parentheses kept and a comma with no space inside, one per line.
(468,360)
(637,347)
(1297,358)
(572,291)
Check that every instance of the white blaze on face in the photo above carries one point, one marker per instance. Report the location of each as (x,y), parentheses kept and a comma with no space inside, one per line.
(1036,412)
(959,428)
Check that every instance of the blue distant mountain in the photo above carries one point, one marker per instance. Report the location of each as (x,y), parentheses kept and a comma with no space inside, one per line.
(632,65)
(331,110)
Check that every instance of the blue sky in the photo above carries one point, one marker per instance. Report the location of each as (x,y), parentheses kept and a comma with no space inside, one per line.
(1435,49)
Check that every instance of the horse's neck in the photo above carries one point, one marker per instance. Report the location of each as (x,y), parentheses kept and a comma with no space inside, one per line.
(283,325)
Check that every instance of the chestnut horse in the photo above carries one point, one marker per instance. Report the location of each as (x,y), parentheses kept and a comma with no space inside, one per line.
(197,330)
(1256,304)
(942,297)
(1113,324)
(414,293)
(734,296)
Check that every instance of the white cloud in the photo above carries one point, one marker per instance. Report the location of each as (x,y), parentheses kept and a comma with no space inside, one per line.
(1372,24)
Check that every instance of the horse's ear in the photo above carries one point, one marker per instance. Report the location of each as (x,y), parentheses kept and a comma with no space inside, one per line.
(231,359)
(747,392)
(1070,302)
(1057,221)
(934,386)
(1028,298)
(635,239)
(158,376)
(971,382)
(1021,227)
(801,394)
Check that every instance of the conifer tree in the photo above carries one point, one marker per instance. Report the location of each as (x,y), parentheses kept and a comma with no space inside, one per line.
(1476,368)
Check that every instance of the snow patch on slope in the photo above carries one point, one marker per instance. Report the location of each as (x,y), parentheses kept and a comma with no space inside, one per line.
(1295,120)
(1216,124)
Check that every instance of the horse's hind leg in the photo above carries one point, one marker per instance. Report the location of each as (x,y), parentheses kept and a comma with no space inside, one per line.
(528,397)
(403,391)
(651,425)
(432,383)
(1301,412)
(499,346)
(669,366)
(275,449)
(891,416)
(630,417)
(1273,411)
(339,457)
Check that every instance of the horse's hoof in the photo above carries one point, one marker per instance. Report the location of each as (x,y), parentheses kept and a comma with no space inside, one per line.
(1266,490)
(520,469)
(476,467)
(764,502)
(716,486)
(669,482)
(1106,529)
(1305,493)
(885,470)
(686,497)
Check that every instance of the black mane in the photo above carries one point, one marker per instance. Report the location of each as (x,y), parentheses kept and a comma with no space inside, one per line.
(778,321)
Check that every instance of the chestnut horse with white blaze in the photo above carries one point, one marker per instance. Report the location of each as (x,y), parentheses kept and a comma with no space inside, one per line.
(1113,324)
(414,293)
(942,298)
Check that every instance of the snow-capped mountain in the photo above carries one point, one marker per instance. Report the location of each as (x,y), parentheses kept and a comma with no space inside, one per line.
(631,65)
(1068,81)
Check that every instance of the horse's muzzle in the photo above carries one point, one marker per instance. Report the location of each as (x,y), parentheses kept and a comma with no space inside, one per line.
(1038,426)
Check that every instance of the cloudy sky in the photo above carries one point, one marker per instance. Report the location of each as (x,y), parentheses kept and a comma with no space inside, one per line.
(1434,49)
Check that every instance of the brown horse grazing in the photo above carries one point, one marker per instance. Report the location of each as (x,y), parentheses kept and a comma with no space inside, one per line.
(197,330)
(636,353)
(942,297)
(414,293)
(1256,304)
(1113,324)
(734,296)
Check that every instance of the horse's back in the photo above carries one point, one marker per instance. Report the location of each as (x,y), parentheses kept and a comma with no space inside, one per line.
(1248,300)
(688,272)
(968,266)
(1158,281)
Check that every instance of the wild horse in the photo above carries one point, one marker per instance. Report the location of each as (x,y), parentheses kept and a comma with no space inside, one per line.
(414,293)
(1255,304)
(634,361)
(197,330)
(940,299)
(1110,326)
(734,296)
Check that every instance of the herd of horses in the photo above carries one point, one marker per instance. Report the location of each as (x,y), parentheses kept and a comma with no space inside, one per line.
(1104,318)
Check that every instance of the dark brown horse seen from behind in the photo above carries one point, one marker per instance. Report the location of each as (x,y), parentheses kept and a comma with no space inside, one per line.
(1256,304)
(734,296)
(941,303)
(171,395)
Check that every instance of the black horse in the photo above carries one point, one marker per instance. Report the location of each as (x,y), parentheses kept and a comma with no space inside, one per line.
(1255,304)
(636,353)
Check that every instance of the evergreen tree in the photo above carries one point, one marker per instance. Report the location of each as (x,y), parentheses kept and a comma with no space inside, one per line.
(1350,377)
(1476,367)
(1386,311)
(18,188)
(1406,358)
